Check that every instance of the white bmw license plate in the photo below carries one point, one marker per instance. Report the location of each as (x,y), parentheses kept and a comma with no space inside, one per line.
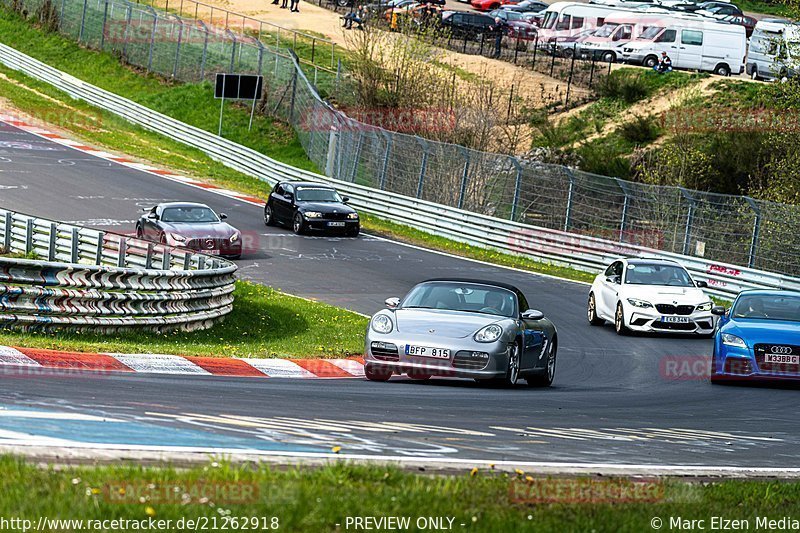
(336,224)
(675,319)
(782,359)
(424,351)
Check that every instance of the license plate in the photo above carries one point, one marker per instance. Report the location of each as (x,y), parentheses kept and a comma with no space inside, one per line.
(782,359)
(424,351)
(212,252)
(336,224)
(675,319)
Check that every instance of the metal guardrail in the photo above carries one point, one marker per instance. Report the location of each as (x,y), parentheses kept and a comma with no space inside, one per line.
(92,280)
(570,249)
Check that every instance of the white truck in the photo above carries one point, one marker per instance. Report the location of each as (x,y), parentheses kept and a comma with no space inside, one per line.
(774,50)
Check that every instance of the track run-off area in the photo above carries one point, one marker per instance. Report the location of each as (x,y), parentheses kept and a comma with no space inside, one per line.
(615,400)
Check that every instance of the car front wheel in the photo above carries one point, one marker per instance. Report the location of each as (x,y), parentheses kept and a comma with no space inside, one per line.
(376,373)
(298,226)
(269,218)
(512,372)
(591,312)
(619,320)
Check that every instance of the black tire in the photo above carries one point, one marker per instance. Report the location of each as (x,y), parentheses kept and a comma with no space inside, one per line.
(269,218)
(512,372)
(567,53)
(609,57)
(418,376)
(139,232)
(162,238)
(722,70)
(353,232)
(376,373)
(298,226)
(650,61)
(591,312)
(619,320)
(545,379)
(754,74)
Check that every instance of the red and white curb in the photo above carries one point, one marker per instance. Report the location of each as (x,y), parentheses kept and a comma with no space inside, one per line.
(124,161)
(175,364)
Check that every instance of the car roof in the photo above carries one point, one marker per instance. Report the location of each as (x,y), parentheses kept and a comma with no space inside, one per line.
(308,184)
(770,292)
(181,204)
(475,281)
(650,261)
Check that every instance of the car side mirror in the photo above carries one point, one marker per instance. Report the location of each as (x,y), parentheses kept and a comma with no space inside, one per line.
(392,303)
(345,199)
(533,314)
(718,310)
(613,279)
(223,216)
(702,284)
(289,196)
(153,216)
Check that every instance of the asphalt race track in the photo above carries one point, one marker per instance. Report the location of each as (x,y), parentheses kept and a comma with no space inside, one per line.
(613,400)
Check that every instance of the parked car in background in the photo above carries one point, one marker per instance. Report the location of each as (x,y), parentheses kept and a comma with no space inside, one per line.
(190,225)
(489,5)
(715,7)
(774,50)
(527,6)
(564,19)
(308,206)
(567,46)
(758,337)
(464,24)
(749,23)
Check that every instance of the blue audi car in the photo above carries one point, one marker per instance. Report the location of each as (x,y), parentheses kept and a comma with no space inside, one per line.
(758,337)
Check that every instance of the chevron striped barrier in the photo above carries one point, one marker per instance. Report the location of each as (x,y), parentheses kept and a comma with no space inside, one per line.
(61,276)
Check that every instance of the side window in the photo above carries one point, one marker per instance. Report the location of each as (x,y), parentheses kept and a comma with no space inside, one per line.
(618,269)
(668,36)
(522,302)
(600,22)
(288,189)
(692,37)
(279,189)
(625,33)
(563,24)
(615,269)
(577,22)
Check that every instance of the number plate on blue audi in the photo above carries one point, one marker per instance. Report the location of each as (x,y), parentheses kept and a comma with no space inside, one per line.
(424,351)
(675,319)
(336,224)
(782,359)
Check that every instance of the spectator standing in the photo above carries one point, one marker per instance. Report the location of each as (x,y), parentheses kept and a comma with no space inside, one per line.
(498,28)
(294,8)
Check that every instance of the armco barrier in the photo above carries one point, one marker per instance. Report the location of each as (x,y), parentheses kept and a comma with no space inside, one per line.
(582,252)
(91,280)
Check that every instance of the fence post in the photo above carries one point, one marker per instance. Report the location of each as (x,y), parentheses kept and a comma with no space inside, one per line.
(83,21)
(385,169)
(465,175)
(105,20)
(687,232)
(535,48)
(333,142)
(483,38)
(553,62)
(571,70)
(51,244)
(122,253)
(233,52)
(98,253)
(568,214)
(357,156)
(517,188)
(623,222)
(152,42)
(187,261)
(74,246)
(28,235)
(313,49)
(205,54)
(127,32)
(516,49)
(178,51)
(423,166)
(294,94)
(61,15)
(591,72)
(756,230)
(166,258)
(510,101)
(7,231)
(148,259)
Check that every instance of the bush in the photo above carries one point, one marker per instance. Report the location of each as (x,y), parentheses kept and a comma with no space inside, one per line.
(640,130)
(626,85)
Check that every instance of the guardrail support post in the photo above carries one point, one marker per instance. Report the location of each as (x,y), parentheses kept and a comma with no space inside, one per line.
(122,252)
(687,232)
(385,168)
(464,177)
(98,254)
(83,21)
(756,230)
(357,156)
(166,258)
(148,259)
(28,235)
(568,214)
(51,245)
(187,261)
(74,255)
(517,188)
(9,222)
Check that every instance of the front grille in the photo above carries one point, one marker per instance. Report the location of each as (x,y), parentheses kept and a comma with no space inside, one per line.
(335,216)
(205,244)
(761,351)
(469,360)
(385,351)
(669,309)
(673,326)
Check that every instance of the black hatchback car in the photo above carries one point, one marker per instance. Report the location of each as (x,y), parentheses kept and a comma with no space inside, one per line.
(464,24)
(306,206)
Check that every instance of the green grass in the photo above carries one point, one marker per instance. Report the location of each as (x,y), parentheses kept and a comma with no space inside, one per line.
(264,323)
(769,7)
(316,499)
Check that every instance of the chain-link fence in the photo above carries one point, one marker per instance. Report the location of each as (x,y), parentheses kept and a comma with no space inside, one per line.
(731,229)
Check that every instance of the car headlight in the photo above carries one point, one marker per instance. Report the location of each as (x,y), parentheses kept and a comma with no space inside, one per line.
(352,216)
(733,340)
(382,323)
(313,214)
(705,307)
(639,303)
(489,333)
(177,237)
(234,237)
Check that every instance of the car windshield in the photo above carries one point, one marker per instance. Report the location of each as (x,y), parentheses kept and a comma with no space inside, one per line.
(549,19)
(768,306)
(467,297)
(317,194)
(650,33)
(606,29)
(189,215)
(657,274)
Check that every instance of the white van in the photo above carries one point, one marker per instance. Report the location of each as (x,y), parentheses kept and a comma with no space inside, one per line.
(693,43)
(619,29)
(564,19)
(774,50)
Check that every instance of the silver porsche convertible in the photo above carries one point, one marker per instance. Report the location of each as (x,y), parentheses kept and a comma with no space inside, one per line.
(462,328)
